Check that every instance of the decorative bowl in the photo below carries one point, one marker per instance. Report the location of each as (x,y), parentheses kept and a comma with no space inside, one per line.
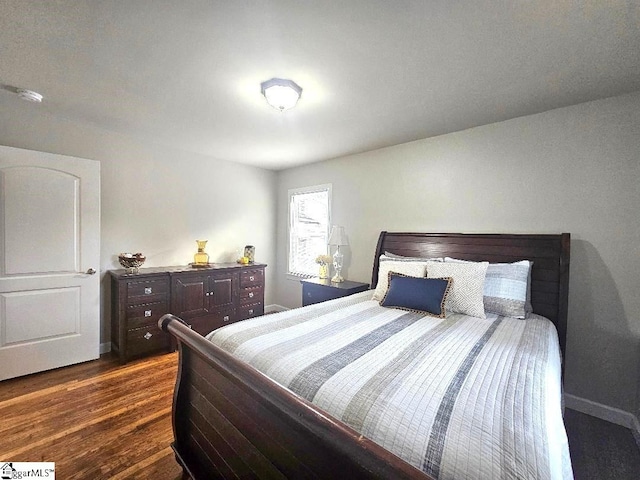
(131,261)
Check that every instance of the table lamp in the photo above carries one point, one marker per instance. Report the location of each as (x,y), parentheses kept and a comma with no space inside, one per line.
(339,239)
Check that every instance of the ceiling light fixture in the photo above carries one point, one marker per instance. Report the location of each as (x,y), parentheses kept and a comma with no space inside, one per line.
(29,95)
(281,93)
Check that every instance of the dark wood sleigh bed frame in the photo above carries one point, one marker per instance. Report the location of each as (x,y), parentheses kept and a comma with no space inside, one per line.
(231,421)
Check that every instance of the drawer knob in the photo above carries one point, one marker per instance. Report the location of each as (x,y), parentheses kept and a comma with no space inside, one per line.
(148,335)
(147,313)
(225,318)
(251,311)
(250,294)
(252,278)
(148,290)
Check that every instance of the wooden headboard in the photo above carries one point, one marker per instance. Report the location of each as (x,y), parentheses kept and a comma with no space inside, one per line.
(549,253)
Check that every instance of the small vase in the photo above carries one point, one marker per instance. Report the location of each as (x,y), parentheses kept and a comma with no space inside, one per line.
(324,271)
(201,257)
(250,252)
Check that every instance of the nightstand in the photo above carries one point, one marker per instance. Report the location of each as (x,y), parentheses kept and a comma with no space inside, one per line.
(315,290)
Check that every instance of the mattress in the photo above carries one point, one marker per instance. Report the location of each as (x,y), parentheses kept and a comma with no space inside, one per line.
(459,398)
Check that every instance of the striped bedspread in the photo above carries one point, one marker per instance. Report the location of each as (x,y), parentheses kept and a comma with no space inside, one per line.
(459,398)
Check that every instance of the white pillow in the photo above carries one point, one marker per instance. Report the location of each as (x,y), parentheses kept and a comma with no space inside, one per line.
(466,293)
(405,267)
(507,288)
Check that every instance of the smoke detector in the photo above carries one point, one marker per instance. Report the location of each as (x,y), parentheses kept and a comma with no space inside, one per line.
(29,95)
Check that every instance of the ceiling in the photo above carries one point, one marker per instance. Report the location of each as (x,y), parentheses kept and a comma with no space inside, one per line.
(374,73)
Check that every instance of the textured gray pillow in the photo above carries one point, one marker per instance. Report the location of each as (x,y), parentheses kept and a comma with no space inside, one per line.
(507,288)
(467,288)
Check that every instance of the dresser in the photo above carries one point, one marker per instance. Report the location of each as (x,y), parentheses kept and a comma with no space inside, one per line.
(315,290)
(137,303)
(213,297)
(205,298)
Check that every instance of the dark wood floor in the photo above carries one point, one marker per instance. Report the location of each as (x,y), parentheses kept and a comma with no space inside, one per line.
(96,420)
(101,420)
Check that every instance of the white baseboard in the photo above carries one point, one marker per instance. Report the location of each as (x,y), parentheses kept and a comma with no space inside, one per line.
(105,347)
(273,308)
(603,412)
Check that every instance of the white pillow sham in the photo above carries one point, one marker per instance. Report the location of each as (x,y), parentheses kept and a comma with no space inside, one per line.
(467,287)
(507,288)
(403,265)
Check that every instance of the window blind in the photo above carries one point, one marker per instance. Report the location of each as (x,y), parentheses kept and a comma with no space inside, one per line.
(308,230)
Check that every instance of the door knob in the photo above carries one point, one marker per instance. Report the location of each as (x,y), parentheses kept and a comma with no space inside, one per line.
(91,271)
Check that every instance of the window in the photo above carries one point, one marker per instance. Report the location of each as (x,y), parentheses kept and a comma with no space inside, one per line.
(309,212)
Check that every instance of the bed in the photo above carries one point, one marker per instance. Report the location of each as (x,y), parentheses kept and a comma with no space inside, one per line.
(435,401)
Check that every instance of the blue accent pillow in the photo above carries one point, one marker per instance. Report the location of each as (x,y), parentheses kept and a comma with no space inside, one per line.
(417,294)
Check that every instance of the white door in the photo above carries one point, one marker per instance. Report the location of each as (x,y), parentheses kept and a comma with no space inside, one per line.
(49,245)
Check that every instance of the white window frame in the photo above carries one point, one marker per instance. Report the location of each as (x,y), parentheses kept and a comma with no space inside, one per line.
(322,250)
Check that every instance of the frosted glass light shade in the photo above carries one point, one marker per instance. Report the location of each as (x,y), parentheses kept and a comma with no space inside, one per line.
(281,93)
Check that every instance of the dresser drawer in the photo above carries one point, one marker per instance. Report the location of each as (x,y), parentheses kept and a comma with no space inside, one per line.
(147,288)
(315,294)
(252,294)
(316,290)
(250,278)
(251,310)
(146,339)
(145,314)
(206,324)
(225,316)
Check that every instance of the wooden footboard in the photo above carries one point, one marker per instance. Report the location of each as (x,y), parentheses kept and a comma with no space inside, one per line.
(231,421)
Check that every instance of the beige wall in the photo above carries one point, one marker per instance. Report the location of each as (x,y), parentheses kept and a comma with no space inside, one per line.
(574,170)
(156,200)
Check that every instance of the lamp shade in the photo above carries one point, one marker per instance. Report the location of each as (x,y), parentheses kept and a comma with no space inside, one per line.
(338,237)
(281,93)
